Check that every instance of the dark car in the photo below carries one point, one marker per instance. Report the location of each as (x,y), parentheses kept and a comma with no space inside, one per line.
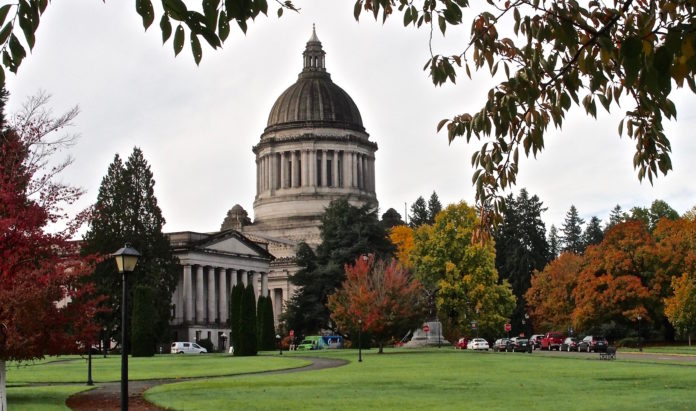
(518,345)
(595,343)
(500,344)
(570,344)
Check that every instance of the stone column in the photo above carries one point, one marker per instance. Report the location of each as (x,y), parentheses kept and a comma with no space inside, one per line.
(354,168)
(188,294)
(347,170)
(222,296)
(294,170)
(334,166)
(200,307)
(245,277)
(312,168)
(255,283)
(324,163)
(283,170)
(212,306)
(277,303)
(264,284)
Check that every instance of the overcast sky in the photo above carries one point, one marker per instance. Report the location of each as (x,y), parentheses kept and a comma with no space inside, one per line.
(197,125)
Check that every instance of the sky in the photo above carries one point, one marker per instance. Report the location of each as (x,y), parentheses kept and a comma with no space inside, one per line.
(197,125)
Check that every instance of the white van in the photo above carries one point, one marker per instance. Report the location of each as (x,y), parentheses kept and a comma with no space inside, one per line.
(187,348)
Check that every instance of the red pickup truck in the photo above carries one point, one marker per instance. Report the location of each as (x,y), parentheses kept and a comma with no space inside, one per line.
(552,341)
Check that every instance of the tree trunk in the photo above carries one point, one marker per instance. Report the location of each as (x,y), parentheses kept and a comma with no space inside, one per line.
(381,346)
(3,387)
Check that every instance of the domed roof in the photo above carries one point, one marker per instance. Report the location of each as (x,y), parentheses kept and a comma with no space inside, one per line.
(314,98)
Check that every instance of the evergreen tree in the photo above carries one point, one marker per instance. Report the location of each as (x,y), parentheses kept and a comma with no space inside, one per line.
(127,212)
(419,213)
(434,207)
(266,327)
(521,247)
(391,218)
(660,209)
(572,232)
(554,243)
(347,232)
(616,216)
(593,232)
(237,295)
(144,337)
(248,335)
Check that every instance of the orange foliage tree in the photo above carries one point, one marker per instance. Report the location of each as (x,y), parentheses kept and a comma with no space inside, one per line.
(402,238)
(384,296)
(550,298)
(681,307)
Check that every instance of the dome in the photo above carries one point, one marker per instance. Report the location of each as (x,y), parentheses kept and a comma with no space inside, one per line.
(314,100)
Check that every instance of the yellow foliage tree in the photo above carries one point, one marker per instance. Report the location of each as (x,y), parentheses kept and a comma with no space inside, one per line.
(402,238)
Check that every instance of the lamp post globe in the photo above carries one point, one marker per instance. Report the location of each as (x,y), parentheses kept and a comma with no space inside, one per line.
(280,344)
(126,258)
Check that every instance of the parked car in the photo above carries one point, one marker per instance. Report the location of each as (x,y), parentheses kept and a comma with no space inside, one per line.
(187,347)
(461,343)
(478,344)
(500,344)
(552,341)
(595,343)
(535,341)
(570,344)
(517,345)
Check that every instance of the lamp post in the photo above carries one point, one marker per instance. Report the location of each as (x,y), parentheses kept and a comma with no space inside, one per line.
(525,320)
(89,365)
(126,259)
(280,344)
(104,340)
(640,343)
(359,339)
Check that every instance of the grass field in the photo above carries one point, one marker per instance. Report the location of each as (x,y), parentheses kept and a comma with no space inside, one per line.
(447,380)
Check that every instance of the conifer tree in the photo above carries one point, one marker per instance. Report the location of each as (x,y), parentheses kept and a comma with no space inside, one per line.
(419,212)
(554,243)
(593,232)
(236,298)
(143,338)
(127,212)
(572,232)
(434,207)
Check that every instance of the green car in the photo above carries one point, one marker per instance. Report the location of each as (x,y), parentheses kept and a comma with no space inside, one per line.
(309,343)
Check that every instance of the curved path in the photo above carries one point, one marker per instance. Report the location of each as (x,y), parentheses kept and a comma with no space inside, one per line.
(107,396)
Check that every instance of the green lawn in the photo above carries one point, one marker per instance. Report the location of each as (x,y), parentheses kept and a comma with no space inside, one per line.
(681,349)
(447,379)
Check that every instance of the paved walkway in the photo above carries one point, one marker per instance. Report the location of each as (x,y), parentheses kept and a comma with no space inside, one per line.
(107,396)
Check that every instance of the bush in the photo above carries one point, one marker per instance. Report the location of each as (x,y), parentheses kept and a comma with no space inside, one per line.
(207,344)
(143,335)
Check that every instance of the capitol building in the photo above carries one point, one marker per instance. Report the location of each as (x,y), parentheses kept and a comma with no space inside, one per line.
(313,150)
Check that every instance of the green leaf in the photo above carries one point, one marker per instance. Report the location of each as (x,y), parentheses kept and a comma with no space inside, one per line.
(224,26)
(442,23)
(621,127)
(196,48)
(2,75)
(178,40)
(166,27)
(17,50)
(210,11)
(27,26)
(357,9)
(144,8)
(280,12)
(3,12)
(176,9)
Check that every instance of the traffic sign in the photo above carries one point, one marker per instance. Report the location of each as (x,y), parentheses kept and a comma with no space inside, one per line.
(426,328)
(473,325)
(508,327)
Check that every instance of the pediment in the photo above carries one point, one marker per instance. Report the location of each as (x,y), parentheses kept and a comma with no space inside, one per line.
(232,245)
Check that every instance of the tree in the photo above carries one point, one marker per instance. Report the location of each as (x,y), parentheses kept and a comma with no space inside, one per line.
(47,305)
(681,307)
(419,213)
(434,207)
(391,218)
(126,211)
(236,297)
(402,238)
(144,337)
(460,276)
(550,302)
(616,216)
(561,54)
(572,232)
(659,209)
(593,232)
(266,327)
(520,247)
(383,295)
(247,344)
(554,242)
(347,232)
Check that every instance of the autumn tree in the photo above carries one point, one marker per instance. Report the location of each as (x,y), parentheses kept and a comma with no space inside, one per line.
(520,247)
(459,276)
(126,211)
(402,238)
(658,210)
(347,232)
(46,304)
(382,295)
(419,213)
(572,232)
(550,301)
(681,307)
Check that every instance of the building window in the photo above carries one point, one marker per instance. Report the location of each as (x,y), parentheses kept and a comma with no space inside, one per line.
(329,171)
(319,155)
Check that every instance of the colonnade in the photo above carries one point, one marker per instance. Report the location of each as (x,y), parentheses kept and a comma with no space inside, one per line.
(204,292)
(315,168)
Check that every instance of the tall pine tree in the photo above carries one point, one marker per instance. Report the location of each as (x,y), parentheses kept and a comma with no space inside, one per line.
(554,242)
(127,212)
(419,213)
(236,316)
(572,232)
(434,207)
(593,232)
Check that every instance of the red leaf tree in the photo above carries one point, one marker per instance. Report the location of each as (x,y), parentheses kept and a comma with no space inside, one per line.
(383,295)
(45,302)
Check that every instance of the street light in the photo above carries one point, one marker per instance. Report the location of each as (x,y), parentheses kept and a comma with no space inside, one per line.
(104,329)
(280,344)
(524,324)
(126,259)
(359,339)
(89,365)
(640,345)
